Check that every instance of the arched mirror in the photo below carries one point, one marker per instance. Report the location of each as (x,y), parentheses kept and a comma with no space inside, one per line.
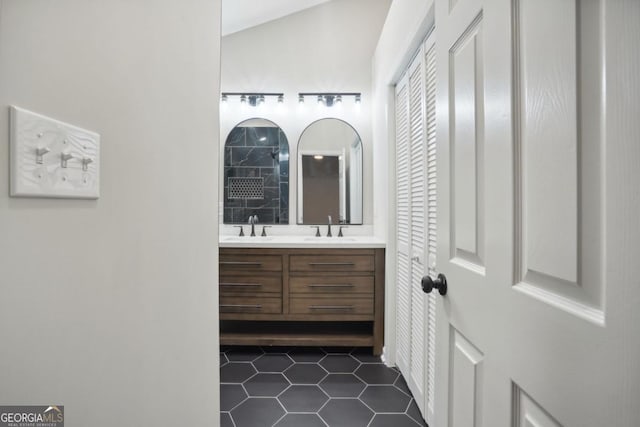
(256,173)
(329,173)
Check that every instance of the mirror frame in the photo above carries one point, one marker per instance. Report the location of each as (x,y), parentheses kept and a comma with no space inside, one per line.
(299,178)
(282,202)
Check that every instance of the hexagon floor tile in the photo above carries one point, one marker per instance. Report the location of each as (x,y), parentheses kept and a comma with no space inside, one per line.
(376,374)
(272,363)
(300,420)
(307,373)
(346,413)
(307,354)
(257,412)
(244,354)
(303,398)
(385,398)
(306,386)
(339,363)
(231,395)
(236,372)
(342,385)
(266,385)
(395,420)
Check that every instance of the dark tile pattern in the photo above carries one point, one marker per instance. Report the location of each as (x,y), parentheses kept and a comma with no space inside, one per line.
(346,413)
(273,363)
(339,363)
(309,387)
(258,152)
(236,372)
(266,385)
(231,395)
(305,373)
(342,385)
(303,398)
(385,398)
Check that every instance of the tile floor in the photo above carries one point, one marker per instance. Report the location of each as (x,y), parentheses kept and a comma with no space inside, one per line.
(309,387)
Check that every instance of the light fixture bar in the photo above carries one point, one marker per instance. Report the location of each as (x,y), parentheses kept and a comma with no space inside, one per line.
(330,98)
(252,93)
(253,98)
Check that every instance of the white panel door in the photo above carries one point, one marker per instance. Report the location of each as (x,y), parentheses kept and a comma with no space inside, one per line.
(538,128)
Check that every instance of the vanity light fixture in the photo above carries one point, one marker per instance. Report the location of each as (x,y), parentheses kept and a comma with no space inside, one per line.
(330,98)
(253,98)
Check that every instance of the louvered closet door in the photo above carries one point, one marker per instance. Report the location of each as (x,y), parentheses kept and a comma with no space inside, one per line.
(415,138)
(418,209)
(431,232)
(403,278)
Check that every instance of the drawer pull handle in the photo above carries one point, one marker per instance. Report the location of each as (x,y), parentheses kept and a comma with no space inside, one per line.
(257,306)
(242,263)
(331,285)
(242,285)
(331,307)
(326,264)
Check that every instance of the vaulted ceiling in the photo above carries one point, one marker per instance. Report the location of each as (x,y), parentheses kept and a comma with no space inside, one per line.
(238,15)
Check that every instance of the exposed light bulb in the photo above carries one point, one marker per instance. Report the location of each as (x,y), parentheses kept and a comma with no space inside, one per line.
(339,99)
(280,99)
(358,99)
(261,99)
(301,99)
(224,97)
(318,157)
(320,99)
(243,99)
(328,100)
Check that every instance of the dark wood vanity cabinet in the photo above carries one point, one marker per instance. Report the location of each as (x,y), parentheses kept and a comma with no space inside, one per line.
(307,297)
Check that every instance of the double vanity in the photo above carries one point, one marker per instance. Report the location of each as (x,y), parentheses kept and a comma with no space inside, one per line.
(300,290)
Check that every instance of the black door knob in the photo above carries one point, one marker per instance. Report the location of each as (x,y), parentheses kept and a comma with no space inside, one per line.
(428,284)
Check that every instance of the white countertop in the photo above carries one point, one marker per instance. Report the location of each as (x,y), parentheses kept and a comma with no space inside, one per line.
(357,242)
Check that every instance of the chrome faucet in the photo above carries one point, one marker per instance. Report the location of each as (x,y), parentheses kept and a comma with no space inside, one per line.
(253,220)
(329,226)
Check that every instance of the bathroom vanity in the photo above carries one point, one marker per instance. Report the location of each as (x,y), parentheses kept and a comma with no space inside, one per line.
(302,291)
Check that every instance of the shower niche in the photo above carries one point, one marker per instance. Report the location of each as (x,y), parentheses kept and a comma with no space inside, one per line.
(256,173)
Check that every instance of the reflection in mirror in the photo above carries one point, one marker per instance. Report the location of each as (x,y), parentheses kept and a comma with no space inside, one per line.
(256,173)
(329,173)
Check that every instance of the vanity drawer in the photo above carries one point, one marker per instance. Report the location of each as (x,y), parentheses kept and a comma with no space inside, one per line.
(332,284)
(331,263)
(233,263)
(250,285)
(336,306)
(251,305)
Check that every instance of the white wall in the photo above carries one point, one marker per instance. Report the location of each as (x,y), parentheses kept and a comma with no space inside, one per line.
(109,307)
(406,26)
(327,48)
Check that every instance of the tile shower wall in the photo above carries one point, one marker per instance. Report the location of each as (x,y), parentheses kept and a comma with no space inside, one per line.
(258,152)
